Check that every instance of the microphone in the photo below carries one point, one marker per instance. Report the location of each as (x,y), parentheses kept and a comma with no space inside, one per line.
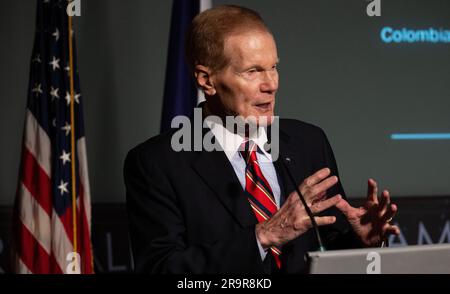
(302,199)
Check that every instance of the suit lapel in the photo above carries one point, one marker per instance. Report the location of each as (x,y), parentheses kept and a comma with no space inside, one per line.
(287,154)
(293,153)
(217,172)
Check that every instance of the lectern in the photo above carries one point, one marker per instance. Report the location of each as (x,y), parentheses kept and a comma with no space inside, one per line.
(419,259)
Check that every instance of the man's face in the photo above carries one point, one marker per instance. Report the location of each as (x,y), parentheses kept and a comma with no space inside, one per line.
(248,84)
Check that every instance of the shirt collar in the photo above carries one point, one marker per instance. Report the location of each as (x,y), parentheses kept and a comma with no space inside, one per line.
(230,141)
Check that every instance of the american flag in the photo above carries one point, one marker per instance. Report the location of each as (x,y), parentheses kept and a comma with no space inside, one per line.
(47,229)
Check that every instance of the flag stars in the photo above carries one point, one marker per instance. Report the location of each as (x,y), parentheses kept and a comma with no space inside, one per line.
(67,69)
(76,97)
(63,188)
(37,89)
(37,59)
(56,35)
(65,157)
(66,128)
(54,63)
(54,93)
(68,98)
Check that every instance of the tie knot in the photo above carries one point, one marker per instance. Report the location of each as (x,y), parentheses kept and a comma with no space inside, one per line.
(247,148)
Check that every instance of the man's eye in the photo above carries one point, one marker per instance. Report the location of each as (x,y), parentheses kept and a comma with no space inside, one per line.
(252,71)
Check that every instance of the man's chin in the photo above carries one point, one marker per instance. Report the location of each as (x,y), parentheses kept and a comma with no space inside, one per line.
(260,120)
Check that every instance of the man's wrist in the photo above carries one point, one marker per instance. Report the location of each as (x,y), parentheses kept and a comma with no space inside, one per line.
(261,235)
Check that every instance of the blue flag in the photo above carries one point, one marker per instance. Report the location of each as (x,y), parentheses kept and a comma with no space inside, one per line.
(180,91)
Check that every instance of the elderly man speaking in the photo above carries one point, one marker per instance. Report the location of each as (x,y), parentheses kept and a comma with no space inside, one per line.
(234,209)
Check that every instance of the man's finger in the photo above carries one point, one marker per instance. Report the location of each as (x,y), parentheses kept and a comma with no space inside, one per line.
(319,197)
(324,205)
(390,213)
(317,177)
(385,201)
(325,220)
(321,187)
(344,207)
(391,230)
(372,191)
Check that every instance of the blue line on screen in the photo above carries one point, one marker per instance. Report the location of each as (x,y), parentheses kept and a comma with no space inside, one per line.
(424,136)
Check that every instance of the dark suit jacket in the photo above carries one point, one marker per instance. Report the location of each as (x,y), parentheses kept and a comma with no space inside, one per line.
(188,214)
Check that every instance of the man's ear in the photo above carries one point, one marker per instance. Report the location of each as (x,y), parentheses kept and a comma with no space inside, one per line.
(204,80)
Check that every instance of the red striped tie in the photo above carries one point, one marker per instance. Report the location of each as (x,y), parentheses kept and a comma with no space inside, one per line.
(258,191)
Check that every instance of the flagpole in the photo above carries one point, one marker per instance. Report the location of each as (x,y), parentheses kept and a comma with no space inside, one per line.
(72,141)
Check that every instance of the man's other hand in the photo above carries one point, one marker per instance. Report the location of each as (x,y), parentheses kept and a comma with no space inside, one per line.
(291,220)
(371,222)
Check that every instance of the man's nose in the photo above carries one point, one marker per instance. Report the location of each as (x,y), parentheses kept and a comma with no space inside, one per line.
(269,82)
